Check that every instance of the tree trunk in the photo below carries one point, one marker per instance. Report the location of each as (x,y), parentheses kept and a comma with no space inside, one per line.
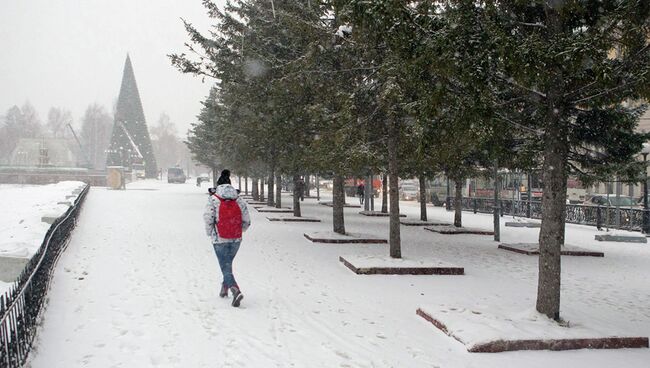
(551,235)
(448,200)
(278,191)
(338,221)
(246,185)
(423,198)
(384,193)
(262,189)
(393,173)
(215,175)
(367,192)
(496,221)
(307,186)
(269,189)
(255,190)
(458,203)
(296,195)
(372,192)
(239,187)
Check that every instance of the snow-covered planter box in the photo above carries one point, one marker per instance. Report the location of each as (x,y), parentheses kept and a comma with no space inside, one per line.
(453,230)
(386,265)
(10,268)
(621,238)
(493,331)
(293,219)
(347,205)
(377,214)
(332,237)
(305,197)
(523,224)
(49,219)
(274,210)
(532,249)
(253,203)
(424,223)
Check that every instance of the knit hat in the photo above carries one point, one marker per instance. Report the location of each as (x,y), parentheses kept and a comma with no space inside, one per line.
(224,178)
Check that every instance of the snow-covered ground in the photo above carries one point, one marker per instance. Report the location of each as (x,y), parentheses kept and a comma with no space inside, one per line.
(21,228)
(138,285)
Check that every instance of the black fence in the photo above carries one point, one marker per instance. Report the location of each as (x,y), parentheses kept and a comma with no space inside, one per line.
(628,218)
(21,306)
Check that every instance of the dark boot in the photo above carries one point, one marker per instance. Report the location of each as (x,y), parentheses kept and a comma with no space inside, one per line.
(237,296)
(224,291)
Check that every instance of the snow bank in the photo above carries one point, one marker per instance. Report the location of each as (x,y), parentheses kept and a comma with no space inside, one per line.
(21,228)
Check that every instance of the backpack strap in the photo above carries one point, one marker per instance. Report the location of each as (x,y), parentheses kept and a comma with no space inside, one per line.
(224,199)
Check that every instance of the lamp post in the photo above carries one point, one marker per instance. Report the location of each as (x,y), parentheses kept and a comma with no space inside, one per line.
(646,215)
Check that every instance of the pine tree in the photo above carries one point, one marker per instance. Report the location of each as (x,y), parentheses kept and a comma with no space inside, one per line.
(130,122)
(566,70)
(386,27)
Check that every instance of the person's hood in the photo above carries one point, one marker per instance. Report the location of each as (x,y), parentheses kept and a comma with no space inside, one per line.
(227,191)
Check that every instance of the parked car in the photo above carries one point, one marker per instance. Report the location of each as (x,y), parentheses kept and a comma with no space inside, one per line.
(612,201)
(176,175)
(409,192)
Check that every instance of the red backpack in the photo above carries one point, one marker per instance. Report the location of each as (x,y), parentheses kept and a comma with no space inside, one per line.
(230,222)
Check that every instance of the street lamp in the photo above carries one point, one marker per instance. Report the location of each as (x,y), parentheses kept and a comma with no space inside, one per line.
(646,215)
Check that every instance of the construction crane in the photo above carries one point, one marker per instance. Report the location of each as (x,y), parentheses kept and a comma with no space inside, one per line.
(81,149)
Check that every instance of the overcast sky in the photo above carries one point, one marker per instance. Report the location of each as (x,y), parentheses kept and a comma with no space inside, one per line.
(70,53)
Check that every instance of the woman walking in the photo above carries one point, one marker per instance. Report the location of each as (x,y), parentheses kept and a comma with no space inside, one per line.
(226,218)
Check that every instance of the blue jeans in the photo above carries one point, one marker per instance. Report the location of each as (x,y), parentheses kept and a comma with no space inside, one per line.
(226,253)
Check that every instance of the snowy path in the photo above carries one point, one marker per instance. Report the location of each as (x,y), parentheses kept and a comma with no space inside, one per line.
(138,284)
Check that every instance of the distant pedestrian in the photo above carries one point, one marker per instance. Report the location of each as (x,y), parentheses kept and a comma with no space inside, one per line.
(301,189)
(226,218)
(361,192)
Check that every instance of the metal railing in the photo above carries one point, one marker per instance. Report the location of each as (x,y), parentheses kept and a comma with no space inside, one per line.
(600,216)
(21,306)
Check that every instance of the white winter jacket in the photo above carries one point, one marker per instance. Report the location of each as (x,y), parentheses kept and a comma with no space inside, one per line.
(211,214)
